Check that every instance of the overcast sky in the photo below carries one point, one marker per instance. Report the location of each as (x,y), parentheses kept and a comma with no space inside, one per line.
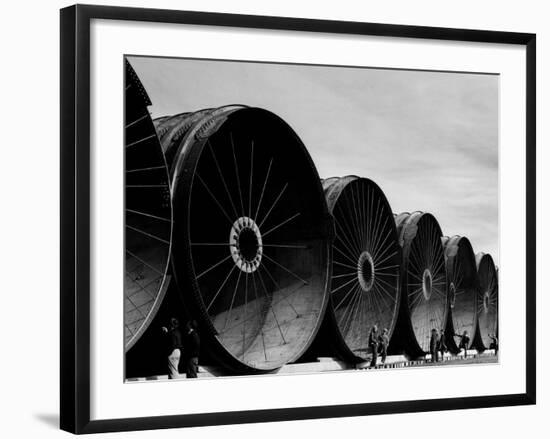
(428,139)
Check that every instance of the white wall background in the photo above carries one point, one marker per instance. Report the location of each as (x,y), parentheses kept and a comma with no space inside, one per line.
(29,219)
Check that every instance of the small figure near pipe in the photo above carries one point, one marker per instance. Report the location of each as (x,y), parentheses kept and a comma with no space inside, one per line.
(174,348)
(191,349)
(373,345)
(464,343)
(442,344)
(434,346)
(383,342)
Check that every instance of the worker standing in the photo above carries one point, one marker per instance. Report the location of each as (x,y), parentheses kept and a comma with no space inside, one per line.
(373,345)
(442,344)
(464,342)
(174,347)
(434,345)
(191,349)
(383,342)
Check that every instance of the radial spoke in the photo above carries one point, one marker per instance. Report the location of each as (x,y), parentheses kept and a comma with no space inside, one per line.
(379,279)
(377,226)
(383,292)
(139,119)
(386,258)
(348,231)
(150,168)
(370,231)
(345,265)
(144,263)
(352,247)
(286,269)
(352,289)
(350,310)
(237,173)
(343,285)
(364,215)
(244,316)
(145,185)
(232,301)
(220,288)
(284,297)
(148,234)
(353,217)
(137,212)
(343,254)
(273,205)
(263,190)
(213,266)
(386,267)
(378,300)
(344,275)
(140,140)
(215,199)
(303,247)
(378,248)
(259,312)
(416,299)
(211,149)
(271,306)
(213,244)
(250,185)
(281,224)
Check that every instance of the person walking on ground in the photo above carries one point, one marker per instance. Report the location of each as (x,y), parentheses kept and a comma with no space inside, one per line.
(442,344)
(383,342)
(173,333)
(373,345)
(494,343)
(191,349)
(464,342)
(434,345)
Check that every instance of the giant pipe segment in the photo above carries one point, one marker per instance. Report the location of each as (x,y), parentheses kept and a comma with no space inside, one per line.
(487,299)
(365,266)
(252,235)
(423,279)
(463,289)
(148,215)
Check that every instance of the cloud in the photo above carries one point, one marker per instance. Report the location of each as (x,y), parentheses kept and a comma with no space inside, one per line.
(429,139)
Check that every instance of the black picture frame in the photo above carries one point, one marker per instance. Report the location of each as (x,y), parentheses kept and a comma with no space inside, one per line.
(75,217)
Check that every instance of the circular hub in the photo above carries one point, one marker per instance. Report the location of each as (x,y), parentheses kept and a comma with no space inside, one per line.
(245,242)
(427,284)
(365,271)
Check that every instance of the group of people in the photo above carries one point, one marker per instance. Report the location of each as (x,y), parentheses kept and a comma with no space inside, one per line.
(183,348)
(378,344)
(438,344)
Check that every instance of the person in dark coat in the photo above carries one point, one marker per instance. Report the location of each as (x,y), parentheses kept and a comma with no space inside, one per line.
(434,346)
(173,333)
(494,343)
(191,349)
(442,344)
(373,345)
(464,342)
(383,342)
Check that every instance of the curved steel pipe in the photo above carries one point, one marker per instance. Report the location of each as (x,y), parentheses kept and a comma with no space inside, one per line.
(487,299)
(251,245)
(365,265)
(148,214)
(463,288)
(423,276)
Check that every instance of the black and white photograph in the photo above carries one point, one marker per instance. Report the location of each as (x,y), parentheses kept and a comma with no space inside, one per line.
(305,219)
